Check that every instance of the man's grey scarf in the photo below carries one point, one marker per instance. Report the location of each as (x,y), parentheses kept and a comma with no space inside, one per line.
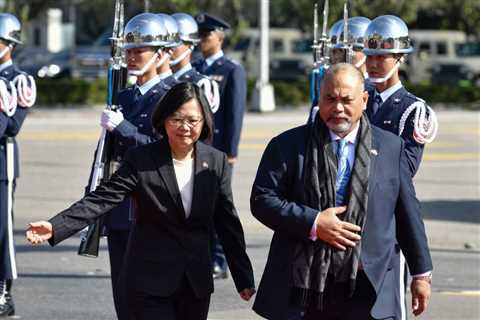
(314,261)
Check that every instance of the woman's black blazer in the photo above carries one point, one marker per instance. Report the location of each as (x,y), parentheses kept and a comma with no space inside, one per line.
(165,247)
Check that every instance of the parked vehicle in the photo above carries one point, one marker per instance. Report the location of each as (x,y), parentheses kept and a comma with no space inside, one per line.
(31,59)
(290,53)
(57,66)
(442,56)
(91,62)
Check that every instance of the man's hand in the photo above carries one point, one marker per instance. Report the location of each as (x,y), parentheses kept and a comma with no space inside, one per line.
(421,291)
(39,232)
(247,293)
(334,231)
(231,160)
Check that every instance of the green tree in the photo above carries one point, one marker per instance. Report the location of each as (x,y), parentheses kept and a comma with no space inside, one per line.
(450,14)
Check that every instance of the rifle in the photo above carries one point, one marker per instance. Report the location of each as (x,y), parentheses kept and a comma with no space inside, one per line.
(116,81)
(348,46)
(321,46)
(321,52)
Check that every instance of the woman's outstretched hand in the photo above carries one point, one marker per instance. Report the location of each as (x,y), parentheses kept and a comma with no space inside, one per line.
(39,232)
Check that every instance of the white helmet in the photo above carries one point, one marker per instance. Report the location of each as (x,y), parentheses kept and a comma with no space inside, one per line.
(172,30)
(10,28)
(334,31)
(387,34)
(355,33)
(145,30)
(187,28)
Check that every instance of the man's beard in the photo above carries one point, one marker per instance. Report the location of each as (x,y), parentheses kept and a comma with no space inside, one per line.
(340,128)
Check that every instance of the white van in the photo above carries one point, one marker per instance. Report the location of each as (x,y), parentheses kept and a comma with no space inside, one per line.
(290,53)
(440,56)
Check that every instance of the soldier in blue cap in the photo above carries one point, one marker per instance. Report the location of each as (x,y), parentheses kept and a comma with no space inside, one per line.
(233,92)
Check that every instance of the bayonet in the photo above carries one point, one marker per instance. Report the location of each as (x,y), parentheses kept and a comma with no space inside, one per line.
(315,25)
(345,23)
(325,20)
(320,45)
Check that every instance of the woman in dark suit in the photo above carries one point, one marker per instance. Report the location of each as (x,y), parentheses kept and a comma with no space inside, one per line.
(181,188)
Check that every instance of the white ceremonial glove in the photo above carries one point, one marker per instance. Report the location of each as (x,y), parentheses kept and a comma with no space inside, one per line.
(111,119)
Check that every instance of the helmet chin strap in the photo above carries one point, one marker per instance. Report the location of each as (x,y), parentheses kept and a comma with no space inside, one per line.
(147,65)
(4,51)
(389,74)
(182,56)
(361,62)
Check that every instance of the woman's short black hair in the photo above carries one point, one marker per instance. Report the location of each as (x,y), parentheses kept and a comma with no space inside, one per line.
(174,99)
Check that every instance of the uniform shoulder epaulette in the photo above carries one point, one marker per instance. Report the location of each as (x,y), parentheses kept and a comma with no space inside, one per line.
(125,90)
(170,82)
(414,98)
(233,61)
(165,86)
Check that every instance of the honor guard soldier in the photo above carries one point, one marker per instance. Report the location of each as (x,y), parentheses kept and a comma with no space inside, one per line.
(147,43)
(180,61)
(18,93)
(233,91)
(390,106)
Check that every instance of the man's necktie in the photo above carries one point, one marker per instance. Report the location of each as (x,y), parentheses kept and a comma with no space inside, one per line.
(203,67)
(377,102)
(343,173)
(136,95)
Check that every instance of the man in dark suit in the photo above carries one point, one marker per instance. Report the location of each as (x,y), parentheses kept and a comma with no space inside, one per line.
(233,93)
(338,195)
(24,86)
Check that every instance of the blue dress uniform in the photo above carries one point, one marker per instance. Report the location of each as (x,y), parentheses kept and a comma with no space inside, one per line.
(388,116)
(228,120)
(136,129)
(9,128)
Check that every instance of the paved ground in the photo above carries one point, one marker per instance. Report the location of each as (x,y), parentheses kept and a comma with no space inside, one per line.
(56,152)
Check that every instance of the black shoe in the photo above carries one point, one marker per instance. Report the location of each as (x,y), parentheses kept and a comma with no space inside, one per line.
(7,307)
(219,272)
